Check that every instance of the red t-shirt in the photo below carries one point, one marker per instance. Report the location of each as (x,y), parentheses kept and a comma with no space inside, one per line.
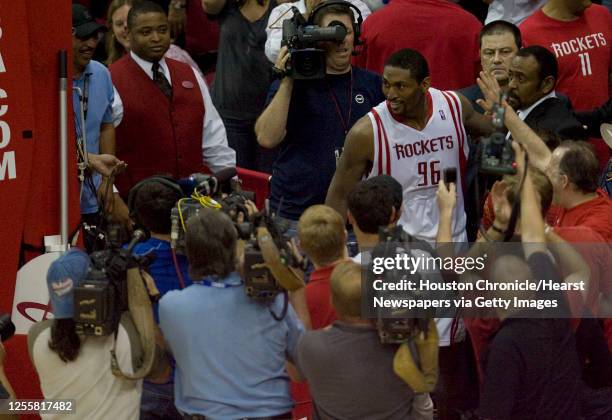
(584,51)
(318,298)
(443,32)
(595,214)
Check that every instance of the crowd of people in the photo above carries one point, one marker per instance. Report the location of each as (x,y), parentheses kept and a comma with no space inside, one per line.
(389,138)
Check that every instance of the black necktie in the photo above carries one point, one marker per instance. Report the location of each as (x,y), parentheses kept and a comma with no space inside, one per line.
(161,81)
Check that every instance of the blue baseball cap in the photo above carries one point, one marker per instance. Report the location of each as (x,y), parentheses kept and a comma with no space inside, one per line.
(64,274)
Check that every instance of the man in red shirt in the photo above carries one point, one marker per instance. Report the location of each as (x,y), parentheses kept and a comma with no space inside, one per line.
(574,173)
(580,35)
(452,53)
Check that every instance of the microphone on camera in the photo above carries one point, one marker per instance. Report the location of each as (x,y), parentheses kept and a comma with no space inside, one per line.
(209,185)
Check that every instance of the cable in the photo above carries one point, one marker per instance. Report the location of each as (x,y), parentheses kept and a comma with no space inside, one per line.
(177,268)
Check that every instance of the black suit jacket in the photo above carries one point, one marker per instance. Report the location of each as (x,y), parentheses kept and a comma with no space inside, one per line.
(554,115)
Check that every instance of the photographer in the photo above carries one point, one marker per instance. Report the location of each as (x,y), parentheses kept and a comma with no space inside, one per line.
(309,119)
(151,202)
(229,350)
(351,374)
(73,366)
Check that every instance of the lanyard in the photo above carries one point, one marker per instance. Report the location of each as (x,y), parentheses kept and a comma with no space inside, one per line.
(345,124)
(217,284)
(86,94)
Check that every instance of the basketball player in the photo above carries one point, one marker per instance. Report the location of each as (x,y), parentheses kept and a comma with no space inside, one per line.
(413,136)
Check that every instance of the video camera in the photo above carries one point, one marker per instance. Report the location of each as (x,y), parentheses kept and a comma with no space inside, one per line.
(307,61)
(102,297)
(405,323)
(497,156)
(220,192)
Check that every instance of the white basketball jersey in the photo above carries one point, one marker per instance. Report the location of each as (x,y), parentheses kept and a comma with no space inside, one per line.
(417,160)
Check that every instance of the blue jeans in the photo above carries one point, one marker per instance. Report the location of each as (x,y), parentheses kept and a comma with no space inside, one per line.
(157,402)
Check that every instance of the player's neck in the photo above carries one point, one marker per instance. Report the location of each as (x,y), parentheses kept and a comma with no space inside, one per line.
(338,70)
(557,10)
(417,118)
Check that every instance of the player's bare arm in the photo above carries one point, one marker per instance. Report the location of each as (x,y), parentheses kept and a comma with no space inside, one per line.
(356,157)
(475,123)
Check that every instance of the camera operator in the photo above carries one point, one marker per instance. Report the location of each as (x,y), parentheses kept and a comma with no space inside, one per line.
(73,366)
(229,350)
(281,12)
(309,119)
(351,374)
(151,204)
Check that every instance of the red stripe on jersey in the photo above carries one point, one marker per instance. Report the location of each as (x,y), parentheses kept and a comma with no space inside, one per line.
(452,109)
(459,119)
(387,150)
(378,125)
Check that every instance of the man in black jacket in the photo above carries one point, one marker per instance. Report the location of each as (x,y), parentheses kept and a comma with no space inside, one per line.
(531,92)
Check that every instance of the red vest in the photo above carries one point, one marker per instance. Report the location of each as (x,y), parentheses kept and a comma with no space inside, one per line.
(157,135)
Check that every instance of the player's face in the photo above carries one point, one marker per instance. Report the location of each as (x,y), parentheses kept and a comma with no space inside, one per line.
(119,26)
(150,36)
(524,87)
(404,94)
(496,54)
(338,54)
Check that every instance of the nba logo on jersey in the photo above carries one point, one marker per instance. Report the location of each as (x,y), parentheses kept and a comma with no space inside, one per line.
(442,115)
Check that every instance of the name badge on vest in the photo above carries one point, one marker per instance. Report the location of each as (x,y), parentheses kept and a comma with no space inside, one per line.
(187,84)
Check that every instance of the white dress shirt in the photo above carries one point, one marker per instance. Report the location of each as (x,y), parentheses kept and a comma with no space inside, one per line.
(216,154)
(274,29)
(522,113)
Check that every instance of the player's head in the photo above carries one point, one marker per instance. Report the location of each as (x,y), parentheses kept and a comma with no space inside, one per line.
(533,75)
(499,43)
(405,82)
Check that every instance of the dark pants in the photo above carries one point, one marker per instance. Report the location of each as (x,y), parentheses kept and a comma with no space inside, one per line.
(457,389)
(157,402)
(241,137)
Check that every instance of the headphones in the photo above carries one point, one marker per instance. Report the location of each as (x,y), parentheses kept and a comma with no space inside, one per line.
(161,179)
(357,17)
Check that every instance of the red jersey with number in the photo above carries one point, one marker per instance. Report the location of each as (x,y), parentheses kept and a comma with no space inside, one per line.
(417,158)
(583,49)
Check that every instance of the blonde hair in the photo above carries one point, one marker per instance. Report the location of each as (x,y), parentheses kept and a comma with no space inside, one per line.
(322,234)
(113,48)
(345,285)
